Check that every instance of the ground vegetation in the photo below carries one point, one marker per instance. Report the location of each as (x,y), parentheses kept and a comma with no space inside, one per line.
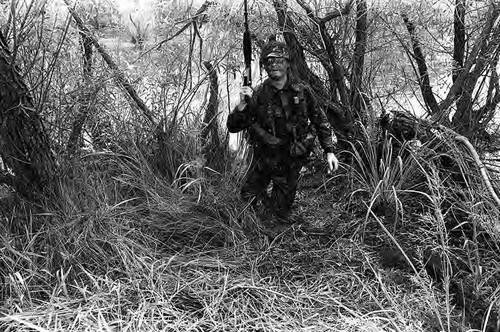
(119,183)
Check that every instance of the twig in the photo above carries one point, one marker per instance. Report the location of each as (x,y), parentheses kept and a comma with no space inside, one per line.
(190,21)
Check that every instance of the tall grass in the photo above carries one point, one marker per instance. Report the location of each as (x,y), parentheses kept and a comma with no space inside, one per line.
(380,171)
(129,250)
(146,254)
(385,174)
(452,239)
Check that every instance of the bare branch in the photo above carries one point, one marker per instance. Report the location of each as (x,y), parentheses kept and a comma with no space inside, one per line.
(308,10)
(423,73)
(480,165)
(329,16)
(459,38)
(334,70)
(190,21)
(472,66)
(487,112)
(337,13)
(181,30)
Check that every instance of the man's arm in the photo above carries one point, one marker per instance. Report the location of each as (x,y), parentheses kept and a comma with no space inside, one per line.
(320,121)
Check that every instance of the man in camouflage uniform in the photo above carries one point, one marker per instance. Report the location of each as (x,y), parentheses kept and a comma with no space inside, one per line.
(283,121)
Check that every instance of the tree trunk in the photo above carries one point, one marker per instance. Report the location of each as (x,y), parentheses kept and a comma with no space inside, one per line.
(466,120)
(210,119)
(423,72)
(358,60)
(85,98)
(459,38)
(473,66)
(337,77)
(24,144)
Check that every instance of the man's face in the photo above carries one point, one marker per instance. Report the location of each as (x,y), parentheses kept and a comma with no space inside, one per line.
(276,67)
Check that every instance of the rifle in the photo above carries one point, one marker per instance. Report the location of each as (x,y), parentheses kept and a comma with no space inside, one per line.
(247,50)
(263,136)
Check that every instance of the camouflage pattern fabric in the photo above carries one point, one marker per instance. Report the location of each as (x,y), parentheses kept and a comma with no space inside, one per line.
(276,49)
(289,117)
(284,176)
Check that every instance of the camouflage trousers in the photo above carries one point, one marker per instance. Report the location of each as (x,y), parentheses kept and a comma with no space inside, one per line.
(284,175)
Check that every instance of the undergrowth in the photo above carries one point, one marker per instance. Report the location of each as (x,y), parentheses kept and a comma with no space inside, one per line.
(387,245)
(149,233)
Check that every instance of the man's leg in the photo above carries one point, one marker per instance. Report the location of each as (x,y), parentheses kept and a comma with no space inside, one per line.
(255,183)
(285,183)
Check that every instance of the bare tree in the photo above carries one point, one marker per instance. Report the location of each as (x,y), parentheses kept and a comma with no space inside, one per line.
(210,119)
(335,71)
(24,144)
(474,73)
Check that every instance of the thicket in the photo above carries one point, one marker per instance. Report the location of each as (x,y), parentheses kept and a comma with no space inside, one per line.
(142,228)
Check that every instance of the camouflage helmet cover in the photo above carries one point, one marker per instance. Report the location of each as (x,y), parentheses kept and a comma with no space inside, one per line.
(274,49)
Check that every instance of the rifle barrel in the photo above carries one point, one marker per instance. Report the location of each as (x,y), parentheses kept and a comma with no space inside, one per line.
(247,50)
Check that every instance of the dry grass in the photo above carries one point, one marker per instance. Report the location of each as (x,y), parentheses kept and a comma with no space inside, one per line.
(127,251)
(234,289)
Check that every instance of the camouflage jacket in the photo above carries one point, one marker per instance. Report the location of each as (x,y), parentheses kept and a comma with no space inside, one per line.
(289,114)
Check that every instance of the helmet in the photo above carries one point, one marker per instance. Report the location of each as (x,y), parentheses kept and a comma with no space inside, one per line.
(274,49)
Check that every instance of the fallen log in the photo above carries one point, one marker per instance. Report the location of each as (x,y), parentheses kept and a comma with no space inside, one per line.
(405,127)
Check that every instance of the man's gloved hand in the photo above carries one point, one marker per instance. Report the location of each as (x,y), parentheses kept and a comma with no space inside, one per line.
(333,162)
(246,93)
